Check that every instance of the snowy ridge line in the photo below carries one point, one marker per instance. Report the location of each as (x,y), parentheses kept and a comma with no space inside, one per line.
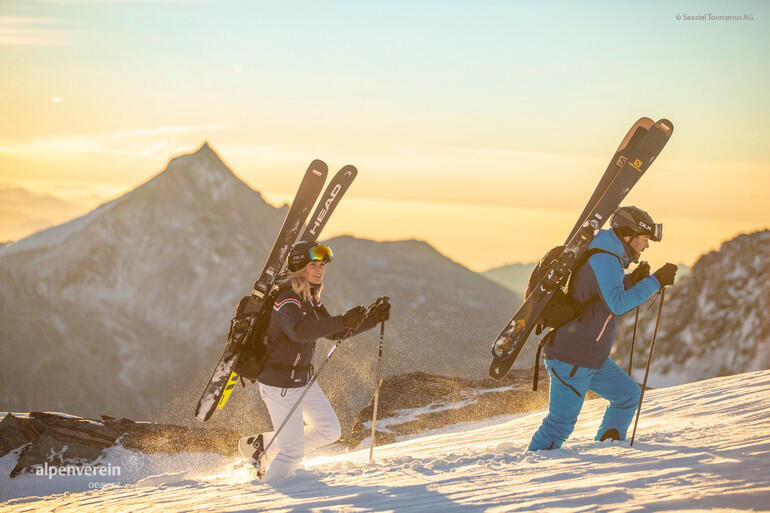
(457,427)
(55,235)
(205,168)
(699,446)
(405,415)
(27,414)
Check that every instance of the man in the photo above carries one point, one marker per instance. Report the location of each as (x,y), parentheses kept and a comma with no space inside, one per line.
(578,358)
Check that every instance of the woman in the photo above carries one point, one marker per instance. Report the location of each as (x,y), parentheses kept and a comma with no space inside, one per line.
(298,319)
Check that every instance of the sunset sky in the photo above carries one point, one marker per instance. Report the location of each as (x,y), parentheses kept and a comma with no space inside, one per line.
(481,127)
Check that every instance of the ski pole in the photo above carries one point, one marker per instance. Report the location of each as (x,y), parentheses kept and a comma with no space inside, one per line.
(649,359)
(633,342)
(306,390)
(377,391)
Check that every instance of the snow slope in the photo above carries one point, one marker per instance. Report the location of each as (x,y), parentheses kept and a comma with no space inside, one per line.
(701,446)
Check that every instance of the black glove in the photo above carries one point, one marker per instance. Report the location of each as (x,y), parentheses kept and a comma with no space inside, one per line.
(641,272)
(666,274)
(353,318)
(379,310)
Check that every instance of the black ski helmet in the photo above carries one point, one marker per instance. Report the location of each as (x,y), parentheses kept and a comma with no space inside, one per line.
(632,221)
(303,252)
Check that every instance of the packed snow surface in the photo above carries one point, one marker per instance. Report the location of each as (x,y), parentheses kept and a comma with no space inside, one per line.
(701,446)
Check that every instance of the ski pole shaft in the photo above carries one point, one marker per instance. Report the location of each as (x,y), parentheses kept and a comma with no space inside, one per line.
(633,342)
(378,382)
(306,390)
(649,360)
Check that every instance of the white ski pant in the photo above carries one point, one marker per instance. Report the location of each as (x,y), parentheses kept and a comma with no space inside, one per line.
(313,424)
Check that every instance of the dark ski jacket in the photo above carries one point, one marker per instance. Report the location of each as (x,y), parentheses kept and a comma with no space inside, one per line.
(587,340)
(294,327)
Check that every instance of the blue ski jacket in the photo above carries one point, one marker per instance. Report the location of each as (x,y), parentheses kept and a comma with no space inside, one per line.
(294,327)
(587,340)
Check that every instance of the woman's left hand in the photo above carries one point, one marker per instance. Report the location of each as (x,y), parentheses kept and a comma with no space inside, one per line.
(379,310)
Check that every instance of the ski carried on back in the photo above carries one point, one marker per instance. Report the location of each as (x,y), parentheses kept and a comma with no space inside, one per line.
(250,313)
(250,322)
(639,148)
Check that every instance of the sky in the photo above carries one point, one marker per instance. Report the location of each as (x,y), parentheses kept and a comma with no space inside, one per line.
(480,127)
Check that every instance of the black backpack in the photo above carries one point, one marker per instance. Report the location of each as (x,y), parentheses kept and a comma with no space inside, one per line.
(562,307)
(251,329)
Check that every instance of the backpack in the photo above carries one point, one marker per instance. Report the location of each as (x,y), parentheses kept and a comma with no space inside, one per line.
(250,330)
(562,307)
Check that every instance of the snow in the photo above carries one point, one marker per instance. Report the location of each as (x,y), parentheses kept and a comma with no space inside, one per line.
(406,415)
(738,273)
(411,414)
(15,414)
(163,479)
(451,428)
(701,446)
(140,470)
(56,413)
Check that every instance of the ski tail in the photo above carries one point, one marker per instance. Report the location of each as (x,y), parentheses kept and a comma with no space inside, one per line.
(328,202)
(231,382)
(627,145)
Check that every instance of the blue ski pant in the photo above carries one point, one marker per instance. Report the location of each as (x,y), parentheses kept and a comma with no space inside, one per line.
(569,385)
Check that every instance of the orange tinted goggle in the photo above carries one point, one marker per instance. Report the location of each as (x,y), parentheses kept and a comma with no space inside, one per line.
(321,254)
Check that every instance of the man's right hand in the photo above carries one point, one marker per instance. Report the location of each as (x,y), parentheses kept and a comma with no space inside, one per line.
(665,275)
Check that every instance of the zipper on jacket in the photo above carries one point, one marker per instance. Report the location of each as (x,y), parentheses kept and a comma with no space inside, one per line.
(296,361)
(606,322)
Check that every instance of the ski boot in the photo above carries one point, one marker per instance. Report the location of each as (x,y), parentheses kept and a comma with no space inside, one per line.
(253,448)
(610,434)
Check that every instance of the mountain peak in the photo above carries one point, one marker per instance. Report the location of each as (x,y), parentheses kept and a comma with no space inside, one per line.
(204,157)
(206,151)
(204,169)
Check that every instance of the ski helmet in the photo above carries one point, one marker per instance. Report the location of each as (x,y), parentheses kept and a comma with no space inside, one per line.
(632,221)
(304,252)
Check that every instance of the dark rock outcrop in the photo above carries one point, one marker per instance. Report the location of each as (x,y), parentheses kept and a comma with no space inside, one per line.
(59,439)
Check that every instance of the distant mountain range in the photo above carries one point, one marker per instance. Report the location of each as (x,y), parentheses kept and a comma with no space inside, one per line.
(23,212)
(124,311)
(512,276)
(515,277)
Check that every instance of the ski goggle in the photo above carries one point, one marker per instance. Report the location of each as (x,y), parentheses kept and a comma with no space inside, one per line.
(654,232)
(320,254)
